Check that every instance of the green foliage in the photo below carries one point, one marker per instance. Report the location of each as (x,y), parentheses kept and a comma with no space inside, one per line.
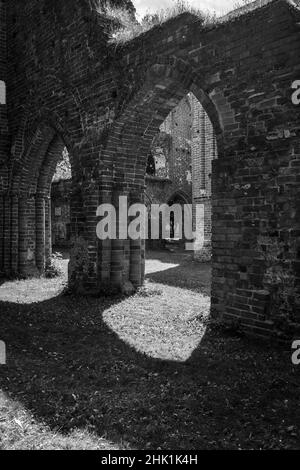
(79,264)
(53,266)
(63,168)
(125,26)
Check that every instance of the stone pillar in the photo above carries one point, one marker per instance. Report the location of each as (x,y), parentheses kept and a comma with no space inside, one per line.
(117,246)
(27,236)
(104,246)
(1,233)
(48,229)
(14,234)
(137,249)
(83,207)
(143,260)
(22,235)
(7,234)
(40,224)
(91,202)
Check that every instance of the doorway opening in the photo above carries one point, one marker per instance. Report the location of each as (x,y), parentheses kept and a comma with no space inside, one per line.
(179,171)
(61,187)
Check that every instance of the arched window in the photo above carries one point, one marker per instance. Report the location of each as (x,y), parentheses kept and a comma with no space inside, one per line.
(150,166)
(181,199)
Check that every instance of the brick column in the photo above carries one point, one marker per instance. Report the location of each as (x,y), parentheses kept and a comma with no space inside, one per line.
(104,246)
(137,248)
(40,224)
(91,201)
(14,234)
(7,234)
(48,233)
(22,235)
(27,236)
(117,246)
(1,233)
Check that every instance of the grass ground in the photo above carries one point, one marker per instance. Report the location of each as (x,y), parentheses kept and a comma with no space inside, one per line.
(140,372)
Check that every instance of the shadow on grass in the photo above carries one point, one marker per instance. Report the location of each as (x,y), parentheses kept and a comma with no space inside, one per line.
(73,372)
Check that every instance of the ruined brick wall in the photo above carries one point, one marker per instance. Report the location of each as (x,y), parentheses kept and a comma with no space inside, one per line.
(51,71)
(3,97)
(66,86)
(171,150)
(246,91)
(4,137)
(182,154)
(178,126)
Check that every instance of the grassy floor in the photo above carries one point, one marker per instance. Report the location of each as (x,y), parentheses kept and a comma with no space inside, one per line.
(140,372)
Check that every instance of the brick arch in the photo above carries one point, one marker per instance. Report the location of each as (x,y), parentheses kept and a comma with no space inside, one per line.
(241,70)
(180,194)
(30,147)
(47,169)
(34,159)
(36,150)
(129,141)
(43,202)
(30,186)
(166,82)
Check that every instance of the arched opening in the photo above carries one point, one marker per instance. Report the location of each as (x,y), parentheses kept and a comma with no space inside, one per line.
(159,123)
(151,168)
(32,234)
(177,238)
(144,127)
(61,188)
(182,153)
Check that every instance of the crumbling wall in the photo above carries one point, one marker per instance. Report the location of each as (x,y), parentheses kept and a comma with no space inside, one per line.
(67,87)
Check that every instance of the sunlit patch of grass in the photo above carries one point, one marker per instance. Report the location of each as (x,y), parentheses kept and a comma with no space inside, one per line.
(168,325)
(73,382)
(20,430)
(29,291)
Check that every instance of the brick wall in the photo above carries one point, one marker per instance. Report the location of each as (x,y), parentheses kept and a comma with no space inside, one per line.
(246,91)
(4,137)
(67,87)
